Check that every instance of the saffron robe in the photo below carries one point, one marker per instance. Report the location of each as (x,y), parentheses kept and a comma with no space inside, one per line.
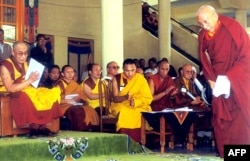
(228,53)
(94,88)
(159,87)
(22,107)
(130,117)
(80,120)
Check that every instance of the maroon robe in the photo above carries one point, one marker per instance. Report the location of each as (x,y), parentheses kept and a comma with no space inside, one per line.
(229,54)
(165,101)
(22,108)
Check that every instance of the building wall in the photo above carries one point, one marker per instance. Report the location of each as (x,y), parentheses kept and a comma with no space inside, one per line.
(82,19)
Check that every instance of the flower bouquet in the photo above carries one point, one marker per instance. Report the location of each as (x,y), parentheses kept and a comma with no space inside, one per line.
(66,148)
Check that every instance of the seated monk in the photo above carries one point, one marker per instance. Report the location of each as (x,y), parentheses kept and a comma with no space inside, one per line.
(185,80)
(29,106)
(162,87)
(131,97)
(90,86)
(81,116)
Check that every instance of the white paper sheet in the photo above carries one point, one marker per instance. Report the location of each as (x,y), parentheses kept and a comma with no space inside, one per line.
(70,96)
(222,86)
(34,66)
(183,109)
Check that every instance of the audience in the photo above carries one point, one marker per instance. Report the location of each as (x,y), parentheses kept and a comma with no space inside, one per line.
(142,64)
(152,67)
(131,95)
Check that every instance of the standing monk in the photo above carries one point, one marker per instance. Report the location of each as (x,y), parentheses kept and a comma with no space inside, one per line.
(33,106)
(224,49)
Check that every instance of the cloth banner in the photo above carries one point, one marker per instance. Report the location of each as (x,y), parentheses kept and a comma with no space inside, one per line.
(30,20)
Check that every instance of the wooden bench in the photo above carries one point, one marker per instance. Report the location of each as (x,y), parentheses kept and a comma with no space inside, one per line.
(7,125)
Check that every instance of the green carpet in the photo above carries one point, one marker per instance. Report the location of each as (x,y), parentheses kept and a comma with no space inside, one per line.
(101,147)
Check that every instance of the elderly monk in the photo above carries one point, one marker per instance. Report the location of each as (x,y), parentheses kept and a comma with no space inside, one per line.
(81,116)
(224,49)
(112,69)
(33,106)
(185,80)
(131,96)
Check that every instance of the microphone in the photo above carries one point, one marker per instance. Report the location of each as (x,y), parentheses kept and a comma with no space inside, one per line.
(203,91)
(183,89)
(198,84)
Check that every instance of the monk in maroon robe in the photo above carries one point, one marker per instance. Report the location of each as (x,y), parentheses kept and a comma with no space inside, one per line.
(224,49)
(22,108)
(162,87)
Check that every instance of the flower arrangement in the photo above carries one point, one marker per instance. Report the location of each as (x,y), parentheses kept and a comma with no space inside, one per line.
(65,148)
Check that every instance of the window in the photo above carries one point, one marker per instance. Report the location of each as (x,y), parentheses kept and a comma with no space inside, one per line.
(11,19)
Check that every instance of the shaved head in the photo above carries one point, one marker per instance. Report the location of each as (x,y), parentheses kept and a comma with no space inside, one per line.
(207,17)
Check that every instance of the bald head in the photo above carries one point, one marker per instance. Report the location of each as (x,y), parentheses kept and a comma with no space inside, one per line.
(207,17)
(205,9)
(187,71)
(112,68)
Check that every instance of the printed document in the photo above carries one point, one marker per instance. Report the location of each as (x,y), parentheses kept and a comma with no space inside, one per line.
(34,66)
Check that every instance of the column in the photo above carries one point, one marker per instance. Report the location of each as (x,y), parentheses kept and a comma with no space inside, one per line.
(112,32)
(61,50)
(164,29)
(241,17)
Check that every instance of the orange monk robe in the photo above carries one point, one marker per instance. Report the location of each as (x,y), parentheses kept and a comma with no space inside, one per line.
(130,117)
(73,87)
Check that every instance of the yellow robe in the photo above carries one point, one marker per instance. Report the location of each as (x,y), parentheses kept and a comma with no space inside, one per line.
(130,117)
(42,98)
(93,103)
(74,88)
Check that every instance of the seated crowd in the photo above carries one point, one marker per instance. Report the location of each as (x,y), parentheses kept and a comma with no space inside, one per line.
(134,90)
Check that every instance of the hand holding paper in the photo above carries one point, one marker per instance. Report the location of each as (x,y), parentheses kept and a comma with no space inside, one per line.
(35,70)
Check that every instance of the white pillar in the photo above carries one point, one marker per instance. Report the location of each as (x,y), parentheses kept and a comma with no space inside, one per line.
(112,32)
(241,17)
(164,29)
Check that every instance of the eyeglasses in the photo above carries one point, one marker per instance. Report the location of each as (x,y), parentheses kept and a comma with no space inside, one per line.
(20,54)
(114,67)
(189,71)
